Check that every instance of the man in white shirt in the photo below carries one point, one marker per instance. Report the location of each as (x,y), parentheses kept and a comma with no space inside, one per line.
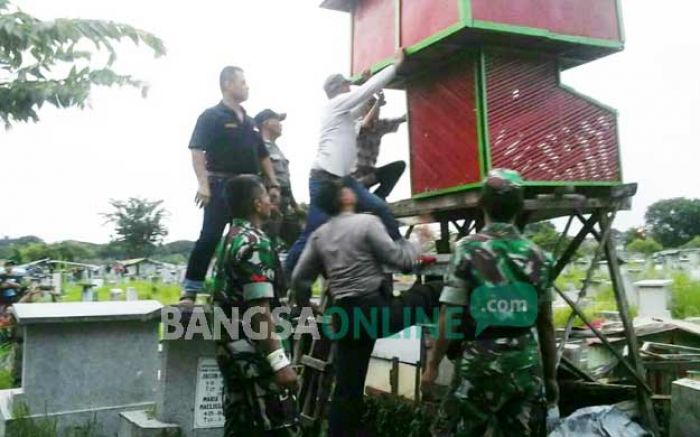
(337,151)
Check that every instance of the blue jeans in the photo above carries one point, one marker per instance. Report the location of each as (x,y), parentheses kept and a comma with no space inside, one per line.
(366,202)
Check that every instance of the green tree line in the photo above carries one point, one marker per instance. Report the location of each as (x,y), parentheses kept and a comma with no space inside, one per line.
(31,248)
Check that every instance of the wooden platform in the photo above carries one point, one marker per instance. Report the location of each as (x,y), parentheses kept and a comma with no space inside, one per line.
(541,203)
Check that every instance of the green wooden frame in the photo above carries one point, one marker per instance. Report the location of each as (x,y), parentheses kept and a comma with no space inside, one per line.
(543,33)
(429,194)
(465,11)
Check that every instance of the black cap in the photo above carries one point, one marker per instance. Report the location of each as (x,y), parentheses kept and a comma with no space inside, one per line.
(267,114)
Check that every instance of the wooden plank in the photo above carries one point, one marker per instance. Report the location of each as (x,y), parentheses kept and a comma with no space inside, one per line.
(584,288)
(394,376)
(578,394)
(565,258)
(571,367)
(637,376)
(465,205)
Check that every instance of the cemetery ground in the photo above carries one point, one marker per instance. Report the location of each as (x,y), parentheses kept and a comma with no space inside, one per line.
(685,295)
(167,294)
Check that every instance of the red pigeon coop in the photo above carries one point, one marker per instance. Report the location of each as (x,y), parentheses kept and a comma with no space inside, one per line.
(483,87)
(482,80)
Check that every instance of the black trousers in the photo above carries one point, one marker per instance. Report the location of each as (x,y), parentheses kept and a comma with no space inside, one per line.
(216,217)
(387,176)
(353,351)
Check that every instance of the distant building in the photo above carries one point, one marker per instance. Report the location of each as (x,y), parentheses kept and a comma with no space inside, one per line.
(144,267)
(678,258)
(149,268)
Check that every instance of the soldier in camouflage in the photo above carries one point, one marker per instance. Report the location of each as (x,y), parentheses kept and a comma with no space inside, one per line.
(498,295)
(258,378)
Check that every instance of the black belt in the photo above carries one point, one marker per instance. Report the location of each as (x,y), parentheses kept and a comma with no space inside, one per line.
(323,175)
(503,343)
(221,175)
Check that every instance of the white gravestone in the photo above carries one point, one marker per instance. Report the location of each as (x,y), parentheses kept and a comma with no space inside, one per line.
(653,297)
(116,294)
(208,405)
(57,282)
(85,361)
(131,294)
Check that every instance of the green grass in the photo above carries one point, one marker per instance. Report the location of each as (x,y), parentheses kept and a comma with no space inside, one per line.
(23,425)
(572,275)
(5,366)
(685,297)
(167,294)
(5,379)
(603,301)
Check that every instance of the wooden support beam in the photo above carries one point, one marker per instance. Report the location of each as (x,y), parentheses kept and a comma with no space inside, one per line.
(640,380)
(567,365)
(597,235)
(563,236)
(645,404)
(394,376)
(584,287)
(416,387)
(464,229)
(443,244)
(409,231)
(565,258)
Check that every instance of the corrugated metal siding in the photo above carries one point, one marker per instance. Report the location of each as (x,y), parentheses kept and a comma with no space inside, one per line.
(444,144)
(544,131)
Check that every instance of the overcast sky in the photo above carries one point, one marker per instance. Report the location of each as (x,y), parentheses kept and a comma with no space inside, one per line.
(59,174)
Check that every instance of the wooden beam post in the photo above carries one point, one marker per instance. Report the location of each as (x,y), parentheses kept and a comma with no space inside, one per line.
(633,373)
(645,404)
(573,246)
(584,287)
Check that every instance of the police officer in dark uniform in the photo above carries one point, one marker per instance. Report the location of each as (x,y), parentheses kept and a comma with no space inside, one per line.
(224,144)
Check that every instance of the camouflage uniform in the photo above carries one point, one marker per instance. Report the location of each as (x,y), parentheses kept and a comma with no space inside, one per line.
(247,268)
(498,388)
(285,226)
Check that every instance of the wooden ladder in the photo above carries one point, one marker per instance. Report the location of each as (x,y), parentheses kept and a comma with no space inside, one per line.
(314,360)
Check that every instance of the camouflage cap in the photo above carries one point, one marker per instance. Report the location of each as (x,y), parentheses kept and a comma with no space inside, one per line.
(503,186)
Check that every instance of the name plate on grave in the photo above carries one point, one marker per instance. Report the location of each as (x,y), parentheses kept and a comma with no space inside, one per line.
(209,401)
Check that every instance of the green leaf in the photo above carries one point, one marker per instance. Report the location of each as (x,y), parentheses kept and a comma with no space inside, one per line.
(52,44)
